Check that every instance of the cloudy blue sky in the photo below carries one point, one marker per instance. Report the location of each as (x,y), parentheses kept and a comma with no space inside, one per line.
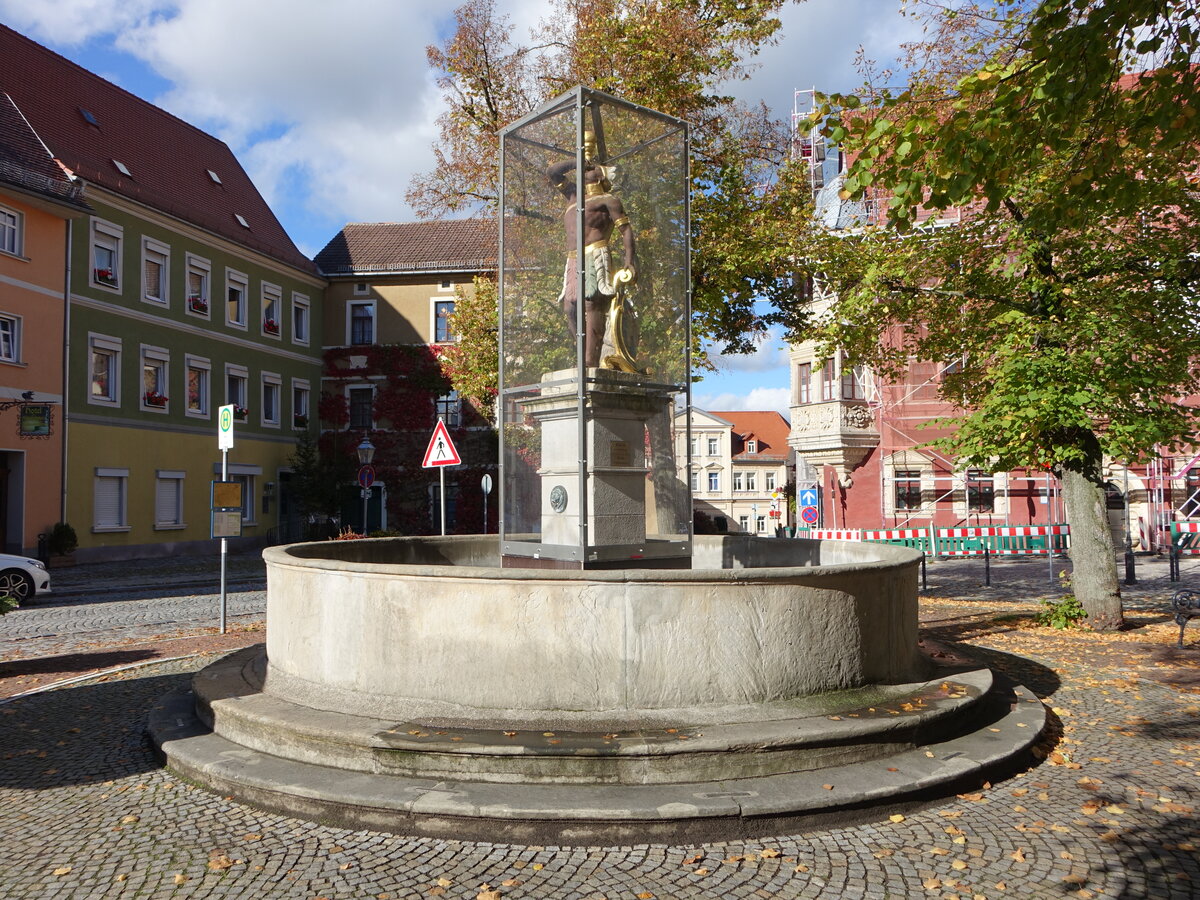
(331,107)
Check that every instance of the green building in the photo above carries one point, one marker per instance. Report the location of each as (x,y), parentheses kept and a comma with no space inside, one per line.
(185,294)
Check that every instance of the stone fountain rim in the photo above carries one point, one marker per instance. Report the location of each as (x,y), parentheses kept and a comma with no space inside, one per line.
(901,557)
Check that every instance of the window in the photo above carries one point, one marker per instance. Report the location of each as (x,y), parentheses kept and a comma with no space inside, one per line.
(361,327)
(236,378)
(156,259)
(435,506)
(10,231)
(445,285)
(361,289)
(10,339)
(752,481)
(299,319)
(694,481)
(362,402)
(106,254)
(751,446)
(247,483)
(197,285)
(300,403)
(449,408)
(168,499)
(271,390)
(712,446)
(695,446)
(908,489)
(154,378)
(272,303)
(854,384)
(769,477)
(738,481)
(804,383)
(198,371)
(442,311)
(743,523)
(714,481)
(829,380)
(981,491)
(108,500)
(236,285)
(760,524)
(106,370)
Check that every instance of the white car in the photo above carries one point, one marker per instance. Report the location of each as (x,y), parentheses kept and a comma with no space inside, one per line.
(22,577)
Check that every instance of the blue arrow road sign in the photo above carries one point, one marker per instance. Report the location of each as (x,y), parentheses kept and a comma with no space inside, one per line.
(808,497)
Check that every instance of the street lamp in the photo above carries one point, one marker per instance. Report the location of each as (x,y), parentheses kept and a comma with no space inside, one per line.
(366,453)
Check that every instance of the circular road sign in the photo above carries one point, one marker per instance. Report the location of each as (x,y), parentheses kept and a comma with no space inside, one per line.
(486,483)
(366,476)
(809,515)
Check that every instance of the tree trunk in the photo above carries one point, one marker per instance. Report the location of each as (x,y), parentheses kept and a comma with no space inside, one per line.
(1093,556)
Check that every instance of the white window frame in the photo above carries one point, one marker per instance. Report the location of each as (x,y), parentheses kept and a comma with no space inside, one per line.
(201,266)
(744,524)
(752,481)
(14,325)
(176,478)
(151,249)
(694,481)
(760,525)
(714,446)
(349,405)
(162,357)
(751,446)
(234,278)
(302,308)
(12,223)
(271,294)
(301,384)
(770,479)
(434,303)
(111,346)
(714,482)
(350,307)
(362,289)
(122,517)
(446,285)
(738,483)
(236,371)
(111,237)
(270,380)
(201,364)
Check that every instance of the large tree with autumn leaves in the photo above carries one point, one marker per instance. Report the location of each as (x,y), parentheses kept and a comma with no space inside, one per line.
(1066,134)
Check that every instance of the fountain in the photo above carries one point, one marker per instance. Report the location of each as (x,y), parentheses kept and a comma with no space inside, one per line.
(595,672)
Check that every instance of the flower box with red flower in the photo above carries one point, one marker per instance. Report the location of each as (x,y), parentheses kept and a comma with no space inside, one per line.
(240,413)
(154,398)
(106,276)
(198,305)
(270,326)
(299,421)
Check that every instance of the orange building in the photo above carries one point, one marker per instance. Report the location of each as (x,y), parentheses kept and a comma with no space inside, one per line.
(37,200)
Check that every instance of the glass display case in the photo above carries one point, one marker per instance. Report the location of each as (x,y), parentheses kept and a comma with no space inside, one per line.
(594,335)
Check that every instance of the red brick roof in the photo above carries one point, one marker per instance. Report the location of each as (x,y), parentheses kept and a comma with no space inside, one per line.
(769,428)
(168,159)
(26,164)
(448,245)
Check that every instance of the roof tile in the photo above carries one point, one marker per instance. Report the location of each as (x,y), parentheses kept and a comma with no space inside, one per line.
(433,246)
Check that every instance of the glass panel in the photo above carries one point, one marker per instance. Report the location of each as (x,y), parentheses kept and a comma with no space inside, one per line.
(590,468)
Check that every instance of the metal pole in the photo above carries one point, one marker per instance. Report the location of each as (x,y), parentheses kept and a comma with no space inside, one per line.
(366,499)
(987,567)
(1130,573)
(224,541)
(442,493)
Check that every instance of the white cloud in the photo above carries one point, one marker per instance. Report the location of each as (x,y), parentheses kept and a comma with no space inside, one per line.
(777,399)
(771,353)
(74,22)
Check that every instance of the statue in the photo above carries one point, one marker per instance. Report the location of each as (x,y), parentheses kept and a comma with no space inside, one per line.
(604,290)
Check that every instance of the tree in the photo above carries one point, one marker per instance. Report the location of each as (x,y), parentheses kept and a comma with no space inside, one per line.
(470,361)
(670,55)
(1069,288)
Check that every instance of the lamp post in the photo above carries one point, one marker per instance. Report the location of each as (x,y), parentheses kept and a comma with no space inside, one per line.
(366,475)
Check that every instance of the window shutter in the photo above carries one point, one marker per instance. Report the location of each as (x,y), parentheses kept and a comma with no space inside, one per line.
(108,511)
(166,502)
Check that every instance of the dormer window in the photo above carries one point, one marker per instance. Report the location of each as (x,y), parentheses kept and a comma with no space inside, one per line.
(751,446)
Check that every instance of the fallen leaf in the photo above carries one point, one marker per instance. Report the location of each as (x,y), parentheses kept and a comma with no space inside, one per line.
(1018,855)
(129,820)
(693,859)
(885,852)
(828,787)
(62,870)
(510,882)
(537,867)
(252,837)
(931,884)
(958,864)
(939,851)
(436,891)
(181,879)
(220,863)
(645,895)
(768,853)
(444,882)
(896,818)
(800,867)
(487,894)
(122,877)
(701,871)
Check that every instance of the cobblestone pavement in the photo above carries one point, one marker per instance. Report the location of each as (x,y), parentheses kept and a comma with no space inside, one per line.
(138,600)
(88,812)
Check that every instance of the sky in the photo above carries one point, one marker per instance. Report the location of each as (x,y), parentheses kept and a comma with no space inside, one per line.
(331,107)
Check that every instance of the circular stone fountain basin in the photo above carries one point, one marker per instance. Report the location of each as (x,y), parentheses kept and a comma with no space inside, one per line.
(432,629)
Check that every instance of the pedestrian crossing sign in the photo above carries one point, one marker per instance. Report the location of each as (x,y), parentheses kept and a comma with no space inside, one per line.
(441,450)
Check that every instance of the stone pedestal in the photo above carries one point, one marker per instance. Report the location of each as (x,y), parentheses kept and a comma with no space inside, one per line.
(616,408)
